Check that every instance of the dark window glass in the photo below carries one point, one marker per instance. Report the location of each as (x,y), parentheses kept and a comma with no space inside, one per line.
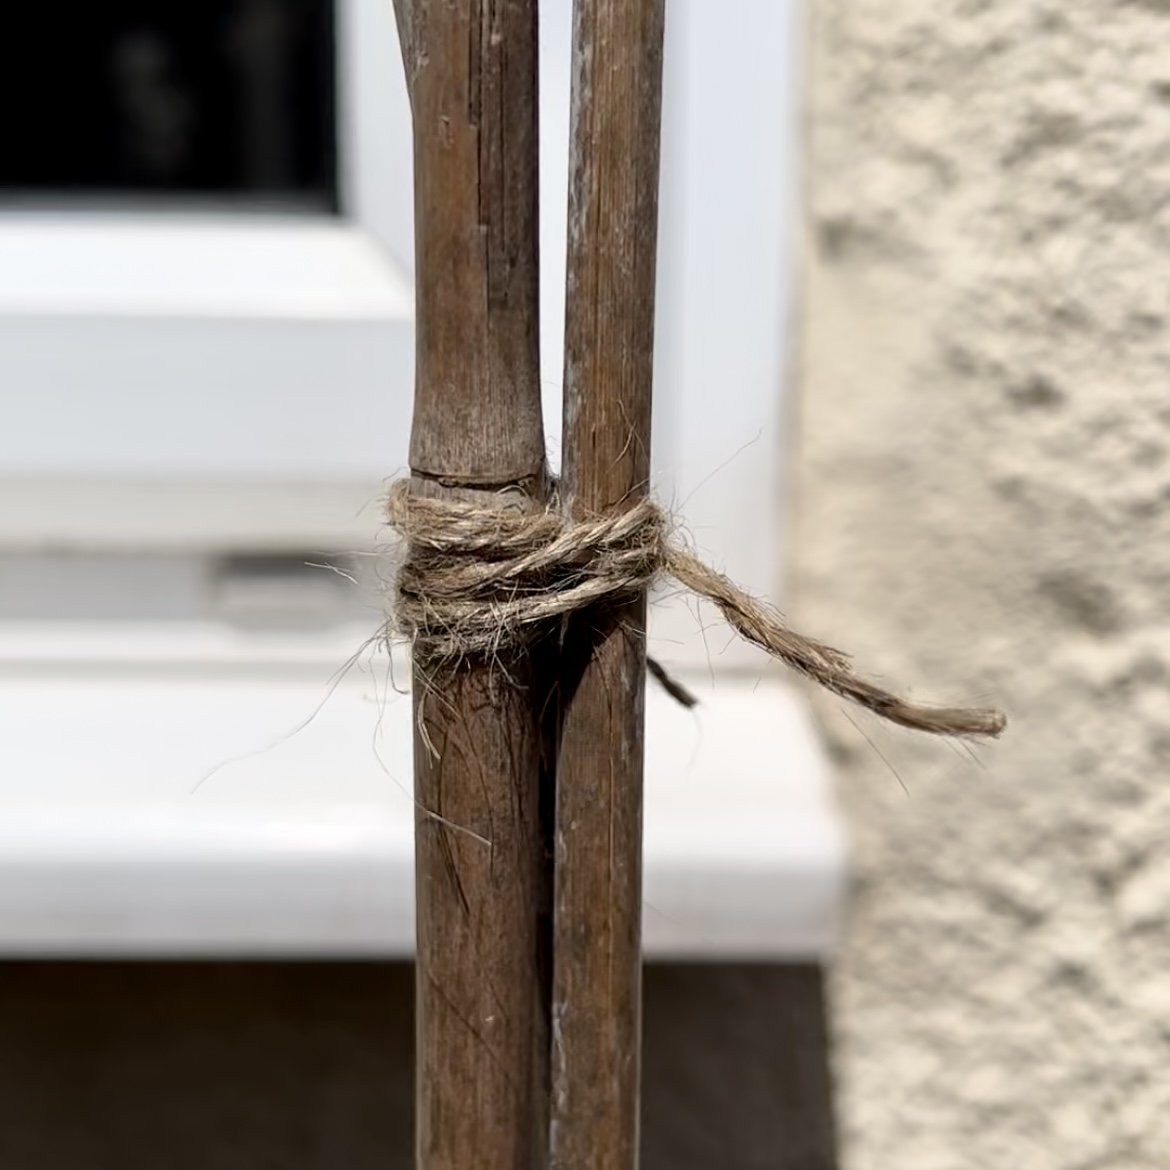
(194,100)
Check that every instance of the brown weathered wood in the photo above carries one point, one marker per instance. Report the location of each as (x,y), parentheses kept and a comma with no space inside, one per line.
(471,72)
(609,335)
(482,871)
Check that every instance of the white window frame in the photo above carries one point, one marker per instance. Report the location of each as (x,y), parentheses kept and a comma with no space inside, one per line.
(254,374)
(314,330)
(202,371)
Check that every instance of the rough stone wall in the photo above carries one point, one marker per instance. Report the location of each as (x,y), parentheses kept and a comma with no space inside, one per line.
(982,509)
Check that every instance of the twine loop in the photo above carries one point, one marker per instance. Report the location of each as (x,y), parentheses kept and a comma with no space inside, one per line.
(480,579)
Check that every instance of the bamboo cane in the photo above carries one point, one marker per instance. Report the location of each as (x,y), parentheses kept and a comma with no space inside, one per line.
(609,334)
(482,870)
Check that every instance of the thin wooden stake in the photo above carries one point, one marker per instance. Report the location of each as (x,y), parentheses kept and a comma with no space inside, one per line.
(609,338)
(482,871)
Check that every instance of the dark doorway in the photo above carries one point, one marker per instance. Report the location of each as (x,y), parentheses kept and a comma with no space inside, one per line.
(308,1066)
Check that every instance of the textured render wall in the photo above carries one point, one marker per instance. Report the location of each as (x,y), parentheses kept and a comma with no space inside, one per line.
(983,496)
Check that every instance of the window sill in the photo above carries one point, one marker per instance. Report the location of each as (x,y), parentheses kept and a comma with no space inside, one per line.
(200,351)
(298,841)
(197,267)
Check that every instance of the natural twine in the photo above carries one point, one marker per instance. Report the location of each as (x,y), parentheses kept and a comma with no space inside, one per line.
(479,580)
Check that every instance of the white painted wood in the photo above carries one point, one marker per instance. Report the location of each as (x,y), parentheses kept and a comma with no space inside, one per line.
(241,401)
(375,149)
(160,514)
(214,793)
(181,350)
(247,350)
(196,267)
(276,372)
(726,265)
(180,385)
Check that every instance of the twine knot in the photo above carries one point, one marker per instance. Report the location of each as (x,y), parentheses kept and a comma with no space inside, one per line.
(480,579)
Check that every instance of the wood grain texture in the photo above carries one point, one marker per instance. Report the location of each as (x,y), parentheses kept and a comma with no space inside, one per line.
(609,336)
(471,73)
(483,867)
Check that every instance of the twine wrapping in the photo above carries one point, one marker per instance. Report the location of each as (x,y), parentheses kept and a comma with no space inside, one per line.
(480,580)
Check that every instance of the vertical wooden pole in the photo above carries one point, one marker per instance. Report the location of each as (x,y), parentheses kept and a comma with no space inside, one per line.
(609,339)
(482,889)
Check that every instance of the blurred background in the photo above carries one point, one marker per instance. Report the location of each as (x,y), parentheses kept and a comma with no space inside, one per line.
(909,381)
(206,376)
(982,508)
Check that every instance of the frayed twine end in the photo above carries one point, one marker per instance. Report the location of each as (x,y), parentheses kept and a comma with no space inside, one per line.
(479,580)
